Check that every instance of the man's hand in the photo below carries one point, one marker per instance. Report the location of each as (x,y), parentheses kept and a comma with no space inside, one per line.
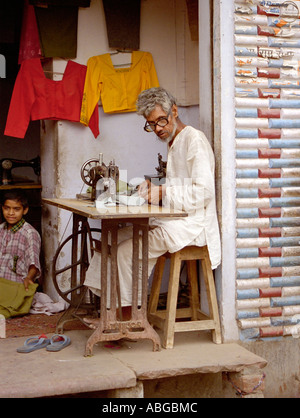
(153,194)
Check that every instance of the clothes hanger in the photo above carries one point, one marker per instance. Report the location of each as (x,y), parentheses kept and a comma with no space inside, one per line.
(49,71)
(53,72)
(121,51)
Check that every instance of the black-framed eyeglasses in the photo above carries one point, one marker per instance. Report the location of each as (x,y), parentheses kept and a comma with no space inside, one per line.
(162,122)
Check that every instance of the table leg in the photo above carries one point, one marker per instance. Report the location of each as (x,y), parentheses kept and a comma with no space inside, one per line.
(78,267)
(111,327)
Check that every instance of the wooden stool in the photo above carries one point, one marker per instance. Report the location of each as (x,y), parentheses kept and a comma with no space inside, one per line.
(199,321)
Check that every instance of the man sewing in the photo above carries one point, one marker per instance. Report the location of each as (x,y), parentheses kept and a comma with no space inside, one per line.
(190,186)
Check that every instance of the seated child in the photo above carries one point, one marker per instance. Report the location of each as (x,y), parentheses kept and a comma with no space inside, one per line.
(20,246)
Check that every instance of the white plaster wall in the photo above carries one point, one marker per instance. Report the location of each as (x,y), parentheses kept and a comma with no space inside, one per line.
(67,146)
(224,137)
(205,70)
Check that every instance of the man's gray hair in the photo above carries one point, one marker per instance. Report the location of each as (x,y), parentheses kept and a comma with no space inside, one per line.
(156,96)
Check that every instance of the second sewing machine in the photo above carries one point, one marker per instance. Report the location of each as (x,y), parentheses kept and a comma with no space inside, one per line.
(101,178)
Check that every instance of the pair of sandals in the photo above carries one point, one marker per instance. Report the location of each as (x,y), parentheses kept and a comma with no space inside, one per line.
(56,343)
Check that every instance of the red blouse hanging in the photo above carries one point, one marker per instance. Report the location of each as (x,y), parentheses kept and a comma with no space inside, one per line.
(36,97)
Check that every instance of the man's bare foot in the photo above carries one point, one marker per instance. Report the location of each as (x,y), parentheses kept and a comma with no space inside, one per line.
(91,322)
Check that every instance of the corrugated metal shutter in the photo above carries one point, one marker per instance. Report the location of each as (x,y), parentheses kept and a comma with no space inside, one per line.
(267,105)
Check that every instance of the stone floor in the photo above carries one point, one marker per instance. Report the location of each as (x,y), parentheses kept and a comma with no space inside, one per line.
(117,371)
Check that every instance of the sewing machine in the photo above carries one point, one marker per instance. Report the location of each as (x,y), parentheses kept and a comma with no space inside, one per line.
(100,177)
(161,170)
(8,164)
(162,167)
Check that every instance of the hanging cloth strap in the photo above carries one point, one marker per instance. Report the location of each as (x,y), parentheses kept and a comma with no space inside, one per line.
(123,23)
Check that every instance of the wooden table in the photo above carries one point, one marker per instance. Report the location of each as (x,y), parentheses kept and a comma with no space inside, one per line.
(110,327)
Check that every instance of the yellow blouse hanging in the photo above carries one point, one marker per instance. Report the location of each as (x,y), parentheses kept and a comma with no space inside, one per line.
(118,88)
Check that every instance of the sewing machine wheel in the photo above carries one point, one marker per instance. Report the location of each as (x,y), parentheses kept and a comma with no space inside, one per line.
(68,276)
(85,171)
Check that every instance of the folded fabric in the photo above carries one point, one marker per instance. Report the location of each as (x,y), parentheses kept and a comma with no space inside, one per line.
(43,304)
(133,200)
(29,40)
(57,22)
(14,299)
(58,30)
(123,23)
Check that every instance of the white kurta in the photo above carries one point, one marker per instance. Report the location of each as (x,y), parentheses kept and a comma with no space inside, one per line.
(191,186)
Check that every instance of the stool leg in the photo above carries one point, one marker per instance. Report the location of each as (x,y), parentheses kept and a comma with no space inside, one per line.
(212,299)
(169,326)
(192,275)
(156,285)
